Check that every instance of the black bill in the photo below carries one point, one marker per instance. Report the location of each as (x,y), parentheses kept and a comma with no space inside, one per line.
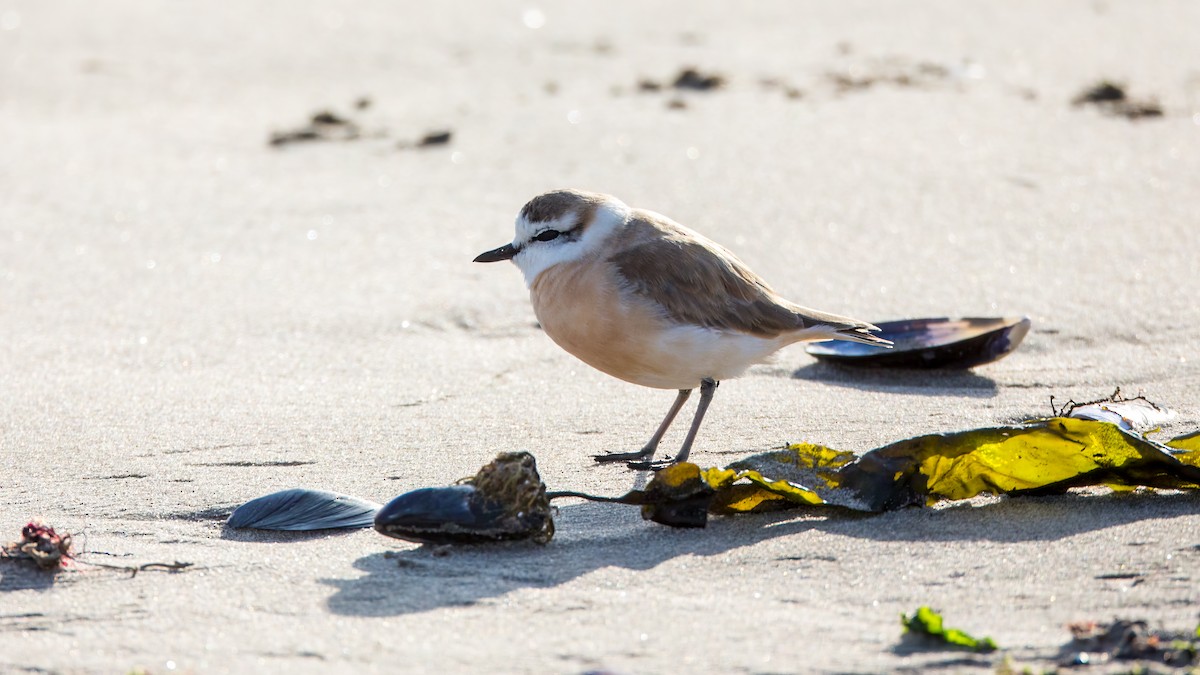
(505,252)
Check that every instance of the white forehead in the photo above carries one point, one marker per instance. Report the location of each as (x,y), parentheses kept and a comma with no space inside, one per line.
(526,230)
(535,257)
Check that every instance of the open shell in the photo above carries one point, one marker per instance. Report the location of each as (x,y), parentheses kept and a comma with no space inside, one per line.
(931,343)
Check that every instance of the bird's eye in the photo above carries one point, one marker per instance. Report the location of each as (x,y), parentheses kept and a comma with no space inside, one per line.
(547,235)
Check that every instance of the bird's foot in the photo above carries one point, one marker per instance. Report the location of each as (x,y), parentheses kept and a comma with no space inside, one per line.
(650,464)
(643,454)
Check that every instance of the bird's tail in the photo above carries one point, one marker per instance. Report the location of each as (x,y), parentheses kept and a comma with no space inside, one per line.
(824,326)
(862,334)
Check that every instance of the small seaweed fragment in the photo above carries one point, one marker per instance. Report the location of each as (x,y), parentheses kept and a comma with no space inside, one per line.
(506,500)
(927,624)
(41,544)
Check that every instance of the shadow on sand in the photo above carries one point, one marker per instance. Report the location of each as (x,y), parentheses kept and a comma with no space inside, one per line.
(419,580)
(958,383)
(23,575)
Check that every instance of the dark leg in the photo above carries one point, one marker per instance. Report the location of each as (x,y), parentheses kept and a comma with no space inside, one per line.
(708,387)
(648,451)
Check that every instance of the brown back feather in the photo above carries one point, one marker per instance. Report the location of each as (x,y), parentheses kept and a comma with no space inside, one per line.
(696,281)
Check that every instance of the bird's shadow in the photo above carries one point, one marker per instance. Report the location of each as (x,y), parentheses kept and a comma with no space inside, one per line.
(901,381)
(427,578)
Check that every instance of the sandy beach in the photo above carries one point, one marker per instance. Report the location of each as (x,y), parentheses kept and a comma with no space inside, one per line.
(192,317)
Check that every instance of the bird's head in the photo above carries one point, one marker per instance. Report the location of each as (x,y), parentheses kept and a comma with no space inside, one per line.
(559,226)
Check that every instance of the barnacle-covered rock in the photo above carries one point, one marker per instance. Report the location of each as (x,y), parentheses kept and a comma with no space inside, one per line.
(505,500)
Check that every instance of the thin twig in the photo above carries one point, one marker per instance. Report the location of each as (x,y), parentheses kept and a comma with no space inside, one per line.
(176,566)
(1071,405)
(595,498)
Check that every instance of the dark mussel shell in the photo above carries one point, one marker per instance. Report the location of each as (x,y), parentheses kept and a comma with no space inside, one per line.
(931,343)
(506,500)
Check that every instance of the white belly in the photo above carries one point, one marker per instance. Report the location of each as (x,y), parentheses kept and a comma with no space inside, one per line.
(689,354)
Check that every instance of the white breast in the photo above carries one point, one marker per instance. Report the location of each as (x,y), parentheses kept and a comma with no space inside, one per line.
(582,309)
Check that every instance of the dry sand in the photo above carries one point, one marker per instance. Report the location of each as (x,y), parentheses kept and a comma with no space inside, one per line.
(190,318)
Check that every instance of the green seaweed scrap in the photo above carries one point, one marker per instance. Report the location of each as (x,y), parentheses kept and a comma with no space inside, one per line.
(928,623)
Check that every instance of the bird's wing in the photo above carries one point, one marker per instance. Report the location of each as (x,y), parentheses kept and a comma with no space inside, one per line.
(696,281)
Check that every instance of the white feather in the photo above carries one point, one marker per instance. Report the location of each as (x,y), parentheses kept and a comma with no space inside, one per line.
(713,354)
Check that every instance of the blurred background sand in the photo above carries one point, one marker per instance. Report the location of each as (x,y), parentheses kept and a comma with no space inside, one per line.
(191,317)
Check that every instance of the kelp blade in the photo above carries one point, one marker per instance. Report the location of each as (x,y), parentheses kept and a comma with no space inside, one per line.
(1048,455)
(1186,442)
(1190,444)
(757,496)
(677,496)
(804,474)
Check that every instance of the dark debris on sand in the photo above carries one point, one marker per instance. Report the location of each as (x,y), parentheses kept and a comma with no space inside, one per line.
(1124,640)
(329,126)
(894,71)
(322,126)
(40,544)
(435,138)
(688,79)
(1111,99)
(430,140)
(775,83)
